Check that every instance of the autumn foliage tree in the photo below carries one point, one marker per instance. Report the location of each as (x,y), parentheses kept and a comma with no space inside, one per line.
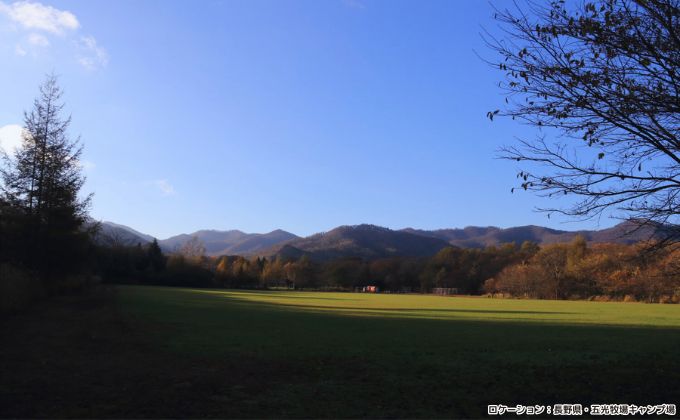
(603,77)
(596,271)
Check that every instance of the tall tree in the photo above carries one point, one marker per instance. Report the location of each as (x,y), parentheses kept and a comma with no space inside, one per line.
(155,256)
(604,77)
(42,181)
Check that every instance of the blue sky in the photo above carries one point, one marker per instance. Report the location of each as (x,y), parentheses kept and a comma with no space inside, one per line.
(258,115)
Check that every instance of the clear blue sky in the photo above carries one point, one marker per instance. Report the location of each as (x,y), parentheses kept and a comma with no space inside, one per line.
(257,115)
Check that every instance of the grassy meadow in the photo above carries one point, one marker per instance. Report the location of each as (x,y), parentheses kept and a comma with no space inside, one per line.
(152,351)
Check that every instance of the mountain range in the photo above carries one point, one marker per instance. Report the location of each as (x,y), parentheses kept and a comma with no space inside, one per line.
(366,241)
(230,242)
(370,241)
(480,237)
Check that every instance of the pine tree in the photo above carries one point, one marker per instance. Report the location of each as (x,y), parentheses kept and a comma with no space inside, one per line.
(42,181)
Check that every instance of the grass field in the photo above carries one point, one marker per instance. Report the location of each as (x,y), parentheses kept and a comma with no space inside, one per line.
(193,353)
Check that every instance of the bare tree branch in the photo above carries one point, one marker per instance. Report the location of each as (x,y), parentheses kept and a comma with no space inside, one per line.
(604,77)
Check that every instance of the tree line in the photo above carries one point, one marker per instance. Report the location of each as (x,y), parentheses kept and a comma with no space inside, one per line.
(603,74)
(575,270)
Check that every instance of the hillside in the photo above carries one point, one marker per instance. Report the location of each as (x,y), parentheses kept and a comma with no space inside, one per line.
(479,237)
(114,234)
(366,241)
(231,242)
(370,242)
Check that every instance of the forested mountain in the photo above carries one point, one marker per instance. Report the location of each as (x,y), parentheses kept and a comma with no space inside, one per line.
(370,242)
(366,241)
(480,237)
(113,234)
(231,242)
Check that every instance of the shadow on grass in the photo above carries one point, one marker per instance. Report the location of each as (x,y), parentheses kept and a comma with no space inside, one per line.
(400,310)
(279,295)
(435,314)
(385,366)
(145,354)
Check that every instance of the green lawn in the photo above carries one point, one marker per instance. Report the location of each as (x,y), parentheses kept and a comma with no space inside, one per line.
(353,354)
(194,353)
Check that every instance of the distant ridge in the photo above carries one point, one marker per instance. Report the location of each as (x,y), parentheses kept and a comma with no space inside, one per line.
(480,237)
(365,241)
(230,242)
(370,241)
(144,236)
(110,233)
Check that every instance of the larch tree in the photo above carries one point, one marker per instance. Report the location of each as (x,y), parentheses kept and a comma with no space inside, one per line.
(42,183)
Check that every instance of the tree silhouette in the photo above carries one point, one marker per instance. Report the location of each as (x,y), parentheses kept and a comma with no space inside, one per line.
(605,78)
(156,257)
(42,182)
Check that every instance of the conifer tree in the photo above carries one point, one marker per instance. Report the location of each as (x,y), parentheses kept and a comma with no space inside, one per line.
(42,182)
(156,256)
